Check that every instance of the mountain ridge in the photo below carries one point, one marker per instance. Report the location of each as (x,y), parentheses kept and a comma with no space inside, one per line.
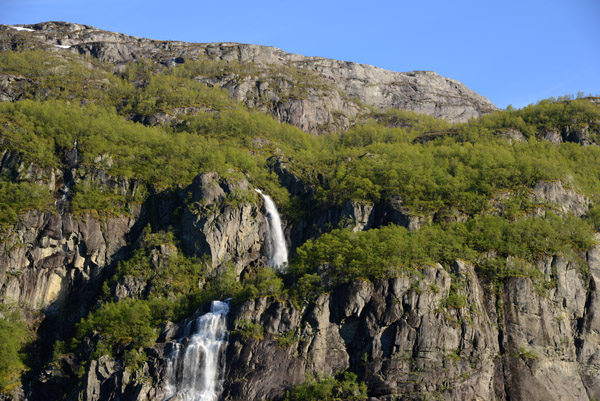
(334,93)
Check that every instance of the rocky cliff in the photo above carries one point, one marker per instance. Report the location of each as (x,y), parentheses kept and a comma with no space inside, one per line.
(446,333)
(404,339)
(407,340)
(316,94)
(428,260)
(441,333)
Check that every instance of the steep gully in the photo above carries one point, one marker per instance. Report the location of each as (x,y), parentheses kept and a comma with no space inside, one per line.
(70,166)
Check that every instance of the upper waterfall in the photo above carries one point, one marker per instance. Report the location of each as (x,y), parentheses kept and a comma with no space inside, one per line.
(278,254)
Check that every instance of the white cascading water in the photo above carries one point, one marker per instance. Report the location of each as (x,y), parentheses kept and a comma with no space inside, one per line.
(278,254)
(195,370)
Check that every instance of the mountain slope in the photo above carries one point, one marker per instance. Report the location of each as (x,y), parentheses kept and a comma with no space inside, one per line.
(428,259)
(312,93)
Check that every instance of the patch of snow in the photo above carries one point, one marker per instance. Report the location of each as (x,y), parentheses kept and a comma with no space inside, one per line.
(20,28)
(62,46)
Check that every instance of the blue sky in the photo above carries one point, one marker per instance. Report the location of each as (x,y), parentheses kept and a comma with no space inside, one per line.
(512,52)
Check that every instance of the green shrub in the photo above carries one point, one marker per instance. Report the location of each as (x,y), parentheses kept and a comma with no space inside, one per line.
(526,353)
(119,324)
(66,76)
(248,329)
(13,336)
(134,359)
(493,243)
(593,216)
(98,202)
(455,301)
(16,198)
(164,274)
(223,285)
(264,282)
(327,388)
(287,339)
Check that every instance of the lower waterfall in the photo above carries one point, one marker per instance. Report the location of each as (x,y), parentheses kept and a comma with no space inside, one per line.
(195,370)
(278,254)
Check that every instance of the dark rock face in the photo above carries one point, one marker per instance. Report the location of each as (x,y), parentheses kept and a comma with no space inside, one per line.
(439,333)
(575,134)
(107,380)
(315,94)
(211,225)
(62,255)
(395,337)
(405,339)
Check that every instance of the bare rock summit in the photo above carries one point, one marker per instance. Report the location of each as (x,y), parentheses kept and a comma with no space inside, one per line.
(315,94)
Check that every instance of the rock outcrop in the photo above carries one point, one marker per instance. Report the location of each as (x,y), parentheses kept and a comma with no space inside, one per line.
(46,258)
(313,93)
(12,86)
(215,223)
(440,334)
(563,199)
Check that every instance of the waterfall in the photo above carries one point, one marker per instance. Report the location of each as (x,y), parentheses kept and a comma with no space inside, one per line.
(76,153)
(278,255)
(195,370)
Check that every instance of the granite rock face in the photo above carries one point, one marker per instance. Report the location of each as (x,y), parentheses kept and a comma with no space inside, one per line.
(49,258)
(565,200)
(46,257)
(212,225)
(440,334)
(405,338)
(313,93)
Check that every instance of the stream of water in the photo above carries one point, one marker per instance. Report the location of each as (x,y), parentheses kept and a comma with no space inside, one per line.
(196,368)
(278,254)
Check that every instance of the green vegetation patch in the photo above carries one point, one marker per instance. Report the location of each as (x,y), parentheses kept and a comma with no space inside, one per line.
(491,242)
(16,198)
(14,335)
(343,386)
(99,201)
(162,268)
(248,329)
(47,75)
